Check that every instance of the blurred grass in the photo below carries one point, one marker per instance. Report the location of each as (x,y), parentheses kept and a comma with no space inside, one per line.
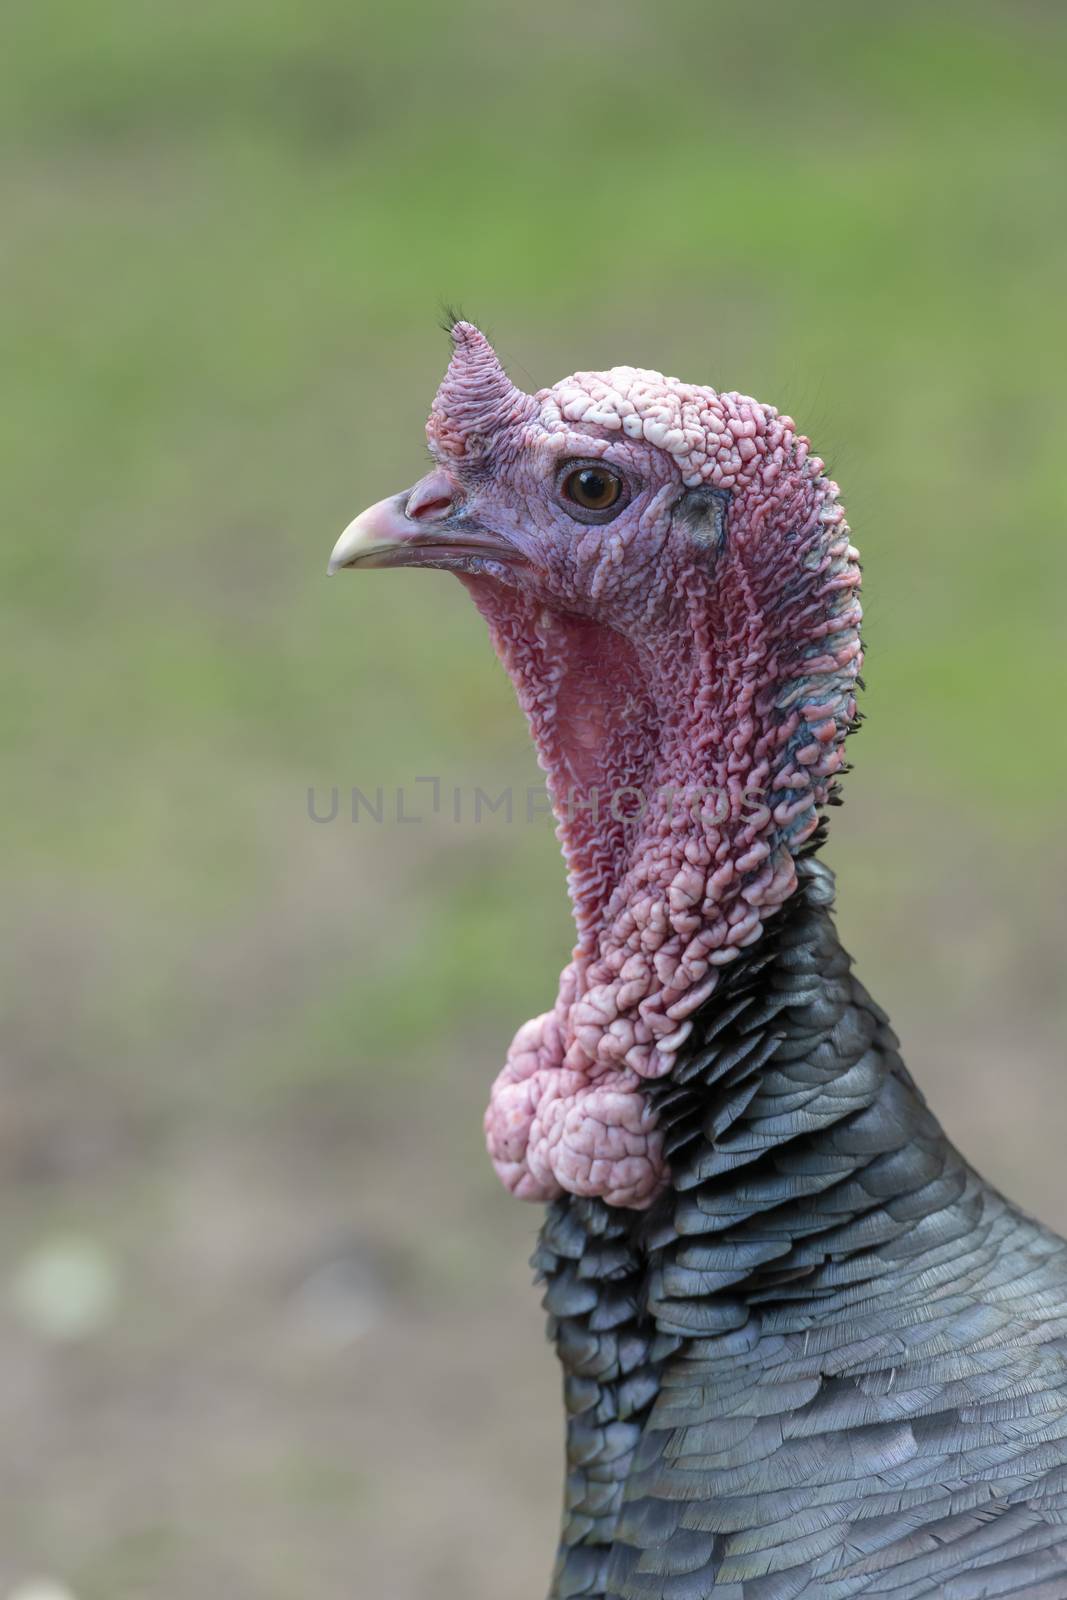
(227,229)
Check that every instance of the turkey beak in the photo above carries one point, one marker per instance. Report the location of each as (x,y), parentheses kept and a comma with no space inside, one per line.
(423,527)
(373,536)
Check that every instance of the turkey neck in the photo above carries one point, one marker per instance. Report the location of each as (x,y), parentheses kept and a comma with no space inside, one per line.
(686,771)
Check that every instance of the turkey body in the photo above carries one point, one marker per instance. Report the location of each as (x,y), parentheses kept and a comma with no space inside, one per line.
(808,1353)
(831,1361)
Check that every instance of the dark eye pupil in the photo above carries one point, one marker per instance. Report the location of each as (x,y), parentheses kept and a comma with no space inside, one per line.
(592,488)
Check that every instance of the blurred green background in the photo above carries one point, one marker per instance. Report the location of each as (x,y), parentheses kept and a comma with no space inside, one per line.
(266,1329)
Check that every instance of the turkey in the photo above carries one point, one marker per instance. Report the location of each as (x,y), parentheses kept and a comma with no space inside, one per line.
(807,1352)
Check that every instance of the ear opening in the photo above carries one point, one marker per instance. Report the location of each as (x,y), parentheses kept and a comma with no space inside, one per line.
(703,510)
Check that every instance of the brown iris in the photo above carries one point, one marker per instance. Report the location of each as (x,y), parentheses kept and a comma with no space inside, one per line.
(594,488)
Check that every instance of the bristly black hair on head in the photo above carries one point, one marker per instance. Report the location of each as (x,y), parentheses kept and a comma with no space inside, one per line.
(450,315)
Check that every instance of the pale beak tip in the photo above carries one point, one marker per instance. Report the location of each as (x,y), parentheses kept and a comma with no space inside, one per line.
(352,543)
(380,527)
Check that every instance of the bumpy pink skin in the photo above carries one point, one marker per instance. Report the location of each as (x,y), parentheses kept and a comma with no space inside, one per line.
(714,677)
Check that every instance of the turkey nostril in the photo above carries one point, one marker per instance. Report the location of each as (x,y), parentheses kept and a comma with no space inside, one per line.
(427,510)
(433,498)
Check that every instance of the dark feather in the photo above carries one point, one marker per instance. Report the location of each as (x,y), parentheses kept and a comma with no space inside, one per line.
(830,1361)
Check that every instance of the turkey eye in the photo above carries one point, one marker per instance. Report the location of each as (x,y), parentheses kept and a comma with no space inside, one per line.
(592,488)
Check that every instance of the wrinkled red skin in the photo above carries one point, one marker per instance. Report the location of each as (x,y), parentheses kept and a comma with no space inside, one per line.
(715,677)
